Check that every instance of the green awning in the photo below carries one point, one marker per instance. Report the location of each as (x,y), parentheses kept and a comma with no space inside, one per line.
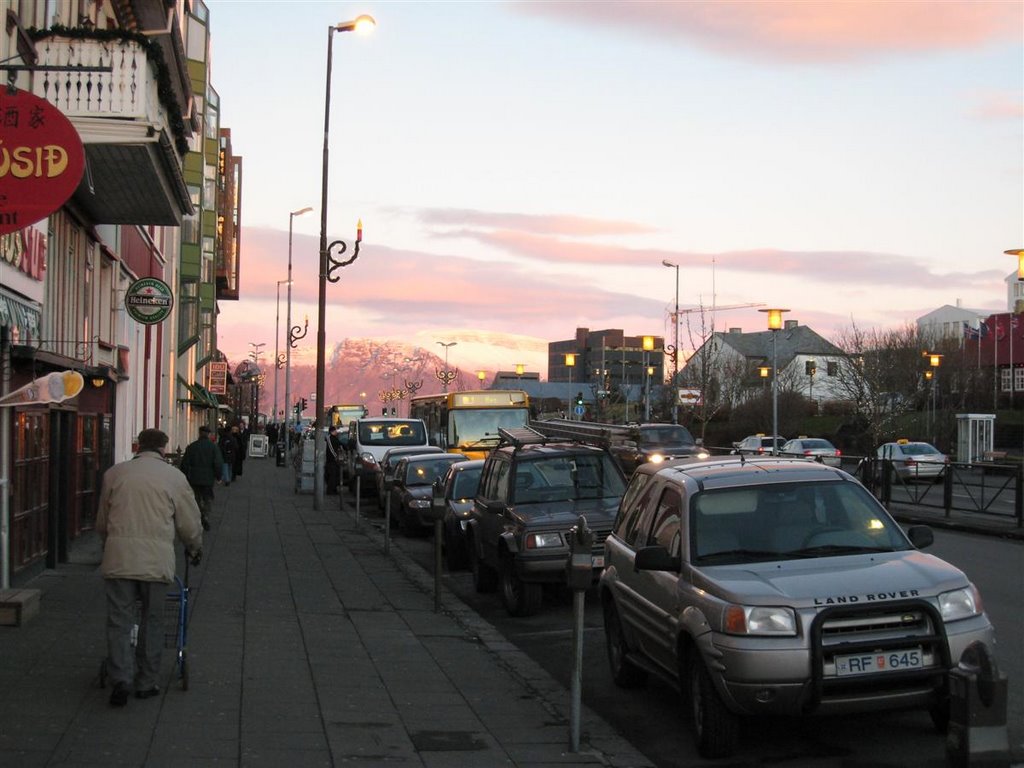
(200,397)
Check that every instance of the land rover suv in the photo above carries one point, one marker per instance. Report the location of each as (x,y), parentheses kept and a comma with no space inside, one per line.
(532,491)
(779,586)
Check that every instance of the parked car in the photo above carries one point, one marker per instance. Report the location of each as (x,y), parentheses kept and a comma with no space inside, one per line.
(773,586)
(532,491)
(914,460)
(456,491)
(755,445)
(369,438)
(387,463)
(412,487)
(816,448)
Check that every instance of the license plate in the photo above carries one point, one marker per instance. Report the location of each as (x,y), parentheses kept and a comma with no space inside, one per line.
(883,661)
(598,561)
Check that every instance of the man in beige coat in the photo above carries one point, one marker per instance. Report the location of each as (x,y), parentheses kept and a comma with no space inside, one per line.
(143,503)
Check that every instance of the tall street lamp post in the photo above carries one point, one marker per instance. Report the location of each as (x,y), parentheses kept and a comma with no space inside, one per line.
(675,347)
(775,325)
(328,265)
(934,360)
(292,340)
(277,339)
(446,376)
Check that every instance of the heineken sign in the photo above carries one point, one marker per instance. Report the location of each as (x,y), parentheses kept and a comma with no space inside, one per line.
(149,301)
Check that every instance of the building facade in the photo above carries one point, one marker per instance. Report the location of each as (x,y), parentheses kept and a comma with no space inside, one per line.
(126,75)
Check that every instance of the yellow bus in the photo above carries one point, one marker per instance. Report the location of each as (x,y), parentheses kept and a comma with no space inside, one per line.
(467,422)
(340,415)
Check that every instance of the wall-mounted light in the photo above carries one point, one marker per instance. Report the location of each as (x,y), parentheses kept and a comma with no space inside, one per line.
(97,381)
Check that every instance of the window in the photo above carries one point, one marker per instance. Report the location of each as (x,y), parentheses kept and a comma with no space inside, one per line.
(1018,378)
(636,519)
(832,368)
(666,522)
(1004,379)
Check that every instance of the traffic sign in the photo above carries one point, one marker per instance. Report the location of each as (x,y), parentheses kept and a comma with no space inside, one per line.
(579,410)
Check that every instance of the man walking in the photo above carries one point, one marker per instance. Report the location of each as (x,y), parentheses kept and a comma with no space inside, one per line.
(332,467)
(203,465)
(143,502)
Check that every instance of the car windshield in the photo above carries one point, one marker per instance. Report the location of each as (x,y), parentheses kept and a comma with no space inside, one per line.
(466,483)
(668,434)
(392,433)
(567,478)
(919,449)
(789,521)
(426,471)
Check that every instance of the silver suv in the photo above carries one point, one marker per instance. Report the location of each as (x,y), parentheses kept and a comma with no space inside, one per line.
(779,586)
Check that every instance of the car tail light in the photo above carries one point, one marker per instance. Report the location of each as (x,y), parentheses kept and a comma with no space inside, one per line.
(807,451)
(909,462)
(838,452)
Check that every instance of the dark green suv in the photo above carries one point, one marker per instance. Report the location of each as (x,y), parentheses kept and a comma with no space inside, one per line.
(532,491)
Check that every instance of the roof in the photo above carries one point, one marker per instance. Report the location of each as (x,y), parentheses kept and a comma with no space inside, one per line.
(790,342)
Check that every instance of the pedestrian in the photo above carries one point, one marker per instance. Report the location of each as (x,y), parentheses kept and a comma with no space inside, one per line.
(236,433)
(203,465)
(143,503)
(229,450)
(332,467)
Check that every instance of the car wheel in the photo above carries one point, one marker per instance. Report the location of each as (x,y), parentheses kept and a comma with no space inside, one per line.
(521,598)
(715,728)
(624,672)
(484,577)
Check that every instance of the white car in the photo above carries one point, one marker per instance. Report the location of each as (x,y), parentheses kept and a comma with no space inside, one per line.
(755,445)
(914,460)
(814,448)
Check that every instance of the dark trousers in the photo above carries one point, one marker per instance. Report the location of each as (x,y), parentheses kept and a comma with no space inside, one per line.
(332,475)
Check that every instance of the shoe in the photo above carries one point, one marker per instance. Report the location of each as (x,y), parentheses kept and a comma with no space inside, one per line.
(148,693)
(119,696)
(206,524)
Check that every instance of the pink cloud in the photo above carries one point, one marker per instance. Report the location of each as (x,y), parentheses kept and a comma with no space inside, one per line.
(804,30)
(1000,106)
(573,226)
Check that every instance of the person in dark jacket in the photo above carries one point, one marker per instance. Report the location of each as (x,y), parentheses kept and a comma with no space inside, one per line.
(203,465)
(243,444)
(229,450)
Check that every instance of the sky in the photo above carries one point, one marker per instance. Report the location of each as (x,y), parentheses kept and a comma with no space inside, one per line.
(522,169)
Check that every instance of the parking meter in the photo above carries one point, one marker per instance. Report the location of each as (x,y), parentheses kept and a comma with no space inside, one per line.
(437,504)
(580,564)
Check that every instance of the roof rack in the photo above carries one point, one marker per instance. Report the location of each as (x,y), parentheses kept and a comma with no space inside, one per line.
(590,433)
(520,436)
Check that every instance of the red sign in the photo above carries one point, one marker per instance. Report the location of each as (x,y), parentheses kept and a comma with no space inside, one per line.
(41,159)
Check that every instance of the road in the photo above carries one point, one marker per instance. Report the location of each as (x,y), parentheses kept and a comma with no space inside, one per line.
(654,720)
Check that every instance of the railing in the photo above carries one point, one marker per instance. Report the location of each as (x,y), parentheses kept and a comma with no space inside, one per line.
(129,90)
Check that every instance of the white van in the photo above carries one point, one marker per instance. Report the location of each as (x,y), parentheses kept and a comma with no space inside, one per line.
(369,438)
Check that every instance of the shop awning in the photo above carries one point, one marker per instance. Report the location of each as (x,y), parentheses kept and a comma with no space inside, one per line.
(199,396)
(23,317)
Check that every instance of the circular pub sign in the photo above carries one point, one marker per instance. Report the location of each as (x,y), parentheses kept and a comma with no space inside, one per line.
(41,159)
(149,301)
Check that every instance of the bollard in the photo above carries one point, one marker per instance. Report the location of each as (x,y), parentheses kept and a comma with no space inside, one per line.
(359,496)
(387,519)
(579,574)
(437,508)
(977,734)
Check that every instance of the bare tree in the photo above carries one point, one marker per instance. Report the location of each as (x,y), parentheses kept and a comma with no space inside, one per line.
(881,376)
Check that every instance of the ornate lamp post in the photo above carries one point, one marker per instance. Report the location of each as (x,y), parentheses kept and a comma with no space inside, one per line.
(277,338)
(292,338)
(774,325)
(328,265)
(446,376)
(675,347)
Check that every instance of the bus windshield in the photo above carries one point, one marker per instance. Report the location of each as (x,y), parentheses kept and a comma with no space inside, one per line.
(479,427)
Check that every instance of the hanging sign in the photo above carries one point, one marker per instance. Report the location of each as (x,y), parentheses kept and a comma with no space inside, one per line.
(51,388)
(149,301)
(41,159)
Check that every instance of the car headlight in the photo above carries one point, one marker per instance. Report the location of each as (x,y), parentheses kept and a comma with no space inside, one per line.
(703,455)
(760,620)
(419,504)
(542,540)
(367,458)
(960,604)
(655,458)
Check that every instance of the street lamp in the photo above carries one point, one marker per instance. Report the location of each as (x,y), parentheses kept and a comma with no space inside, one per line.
(774,325)
(934,360)
(675,347)
(1019,253)
(328,265)
(520,368)
(647,344)
(292,338)
(446,376)
(481,375)
(277,338)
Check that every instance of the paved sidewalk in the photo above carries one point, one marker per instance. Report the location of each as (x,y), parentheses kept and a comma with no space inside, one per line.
(307,647)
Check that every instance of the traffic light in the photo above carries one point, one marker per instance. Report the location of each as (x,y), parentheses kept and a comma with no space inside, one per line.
(302,405)
(579,398)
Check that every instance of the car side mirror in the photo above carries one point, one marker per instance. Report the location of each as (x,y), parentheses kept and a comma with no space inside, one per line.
(494,506)
(655,559)
(921,536)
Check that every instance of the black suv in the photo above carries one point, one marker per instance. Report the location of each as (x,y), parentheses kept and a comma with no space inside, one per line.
(532,491)
(655,442)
